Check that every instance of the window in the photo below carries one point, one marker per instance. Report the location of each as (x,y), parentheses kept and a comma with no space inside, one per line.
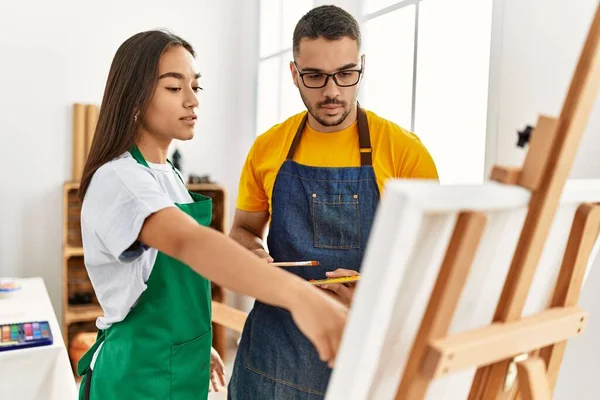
(388,83)
(427,67)
(277,97)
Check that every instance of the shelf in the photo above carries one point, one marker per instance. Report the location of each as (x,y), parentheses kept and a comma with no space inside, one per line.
(228,317)
(205,186)
(73,251)
(71,185)
(83,313)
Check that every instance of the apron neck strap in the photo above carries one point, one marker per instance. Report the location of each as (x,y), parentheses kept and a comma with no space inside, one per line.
(139,157)
(364,137)
(297,136)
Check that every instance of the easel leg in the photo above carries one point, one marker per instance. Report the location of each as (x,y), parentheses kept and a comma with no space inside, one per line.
(532,379)
(443,301)
(582,238)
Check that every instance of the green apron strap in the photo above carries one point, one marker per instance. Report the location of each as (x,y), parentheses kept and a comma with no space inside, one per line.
(83,366)
(137,155)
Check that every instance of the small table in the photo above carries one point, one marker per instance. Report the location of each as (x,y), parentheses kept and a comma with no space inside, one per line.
(40,372)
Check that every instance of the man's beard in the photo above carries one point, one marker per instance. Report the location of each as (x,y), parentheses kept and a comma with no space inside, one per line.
(313,110)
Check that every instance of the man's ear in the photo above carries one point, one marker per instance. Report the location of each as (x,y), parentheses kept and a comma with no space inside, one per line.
(294,72)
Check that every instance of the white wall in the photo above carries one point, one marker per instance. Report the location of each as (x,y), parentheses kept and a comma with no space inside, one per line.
(535,47)
(55,53)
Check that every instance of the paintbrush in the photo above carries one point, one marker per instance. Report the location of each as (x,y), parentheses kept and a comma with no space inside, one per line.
(297,264)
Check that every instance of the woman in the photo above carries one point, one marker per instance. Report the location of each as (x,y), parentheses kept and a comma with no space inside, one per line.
(148,250)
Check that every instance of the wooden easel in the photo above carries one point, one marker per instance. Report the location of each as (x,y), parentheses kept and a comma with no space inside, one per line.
(534,344)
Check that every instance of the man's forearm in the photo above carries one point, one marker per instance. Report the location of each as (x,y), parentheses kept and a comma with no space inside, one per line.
(246,238)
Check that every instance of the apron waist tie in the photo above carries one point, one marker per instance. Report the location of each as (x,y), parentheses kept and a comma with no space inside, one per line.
(83,366)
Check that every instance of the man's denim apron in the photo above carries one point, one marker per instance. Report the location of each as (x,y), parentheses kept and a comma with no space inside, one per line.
(322,214)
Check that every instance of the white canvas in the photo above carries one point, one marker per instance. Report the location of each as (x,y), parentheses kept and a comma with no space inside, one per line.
(412,229)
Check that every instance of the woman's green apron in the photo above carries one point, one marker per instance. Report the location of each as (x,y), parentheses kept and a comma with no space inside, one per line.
(161,350)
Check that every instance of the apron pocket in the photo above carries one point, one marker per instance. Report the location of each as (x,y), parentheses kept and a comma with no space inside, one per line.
(336,221)
(190,368)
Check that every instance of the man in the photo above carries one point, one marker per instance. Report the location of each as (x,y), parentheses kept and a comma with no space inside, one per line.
(317,177)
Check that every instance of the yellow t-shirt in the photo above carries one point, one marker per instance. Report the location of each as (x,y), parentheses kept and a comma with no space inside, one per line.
(396,152)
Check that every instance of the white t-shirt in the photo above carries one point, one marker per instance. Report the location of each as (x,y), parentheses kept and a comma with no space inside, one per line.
(121,195)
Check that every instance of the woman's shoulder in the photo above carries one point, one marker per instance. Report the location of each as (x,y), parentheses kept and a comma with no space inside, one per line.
(121,178)
(124,170)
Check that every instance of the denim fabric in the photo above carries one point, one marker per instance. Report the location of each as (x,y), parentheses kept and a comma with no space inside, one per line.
(322,214)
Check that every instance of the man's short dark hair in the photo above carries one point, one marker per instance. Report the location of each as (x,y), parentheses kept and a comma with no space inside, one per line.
(328,22)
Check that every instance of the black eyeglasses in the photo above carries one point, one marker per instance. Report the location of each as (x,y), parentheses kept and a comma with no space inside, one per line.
(317,80)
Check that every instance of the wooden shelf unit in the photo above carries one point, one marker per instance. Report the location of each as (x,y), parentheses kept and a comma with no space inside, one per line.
(82,317)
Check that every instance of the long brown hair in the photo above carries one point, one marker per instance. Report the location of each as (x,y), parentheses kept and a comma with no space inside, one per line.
(129,89)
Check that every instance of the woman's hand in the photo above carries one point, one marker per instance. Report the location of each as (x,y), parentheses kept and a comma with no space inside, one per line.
(217,371)
(322,319)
